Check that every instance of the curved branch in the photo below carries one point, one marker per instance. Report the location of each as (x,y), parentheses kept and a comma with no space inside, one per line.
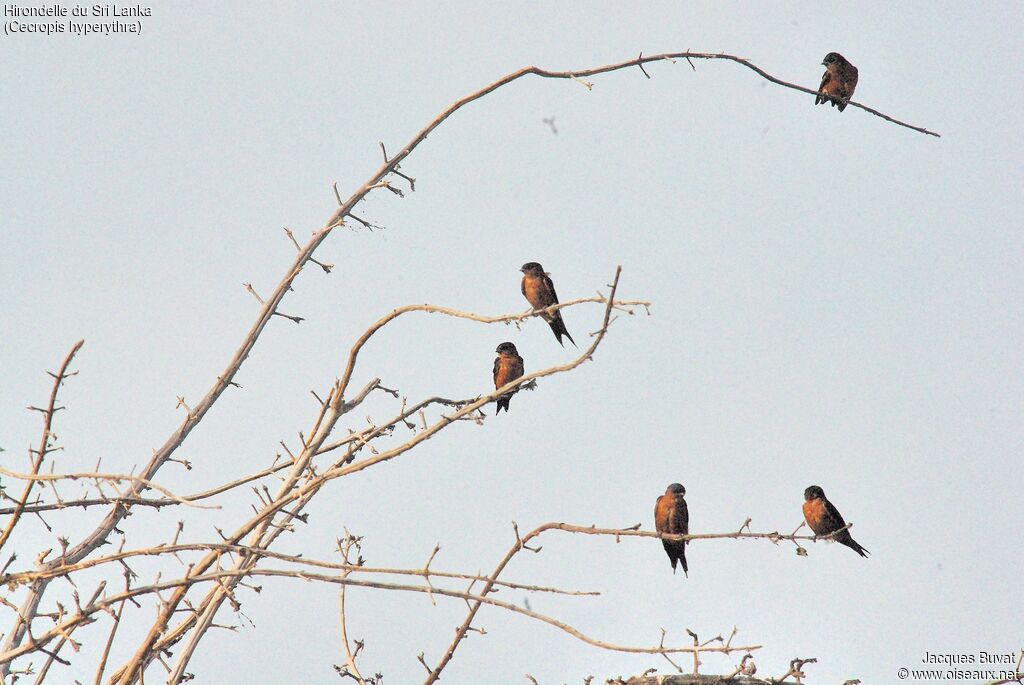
(448,311)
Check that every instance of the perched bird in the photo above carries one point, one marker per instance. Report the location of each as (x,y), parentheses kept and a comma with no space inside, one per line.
(838,82)
(508,366)
(671,516)
(823,518)
(539,291)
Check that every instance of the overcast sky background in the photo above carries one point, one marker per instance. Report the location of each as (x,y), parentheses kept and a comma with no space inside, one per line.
(836,300)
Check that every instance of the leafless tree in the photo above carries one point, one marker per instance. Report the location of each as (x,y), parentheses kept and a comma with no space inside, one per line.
(197,577)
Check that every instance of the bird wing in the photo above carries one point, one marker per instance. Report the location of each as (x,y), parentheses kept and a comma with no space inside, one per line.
(497,369)
(849,83)
(833,519)
(681,518)
(826,77)
(851,79)
(516,371)
(550,288)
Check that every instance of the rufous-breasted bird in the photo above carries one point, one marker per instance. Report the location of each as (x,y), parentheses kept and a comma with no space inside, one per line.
(508,366)
(539,291)
(838,82)
(671,516)
(824,518)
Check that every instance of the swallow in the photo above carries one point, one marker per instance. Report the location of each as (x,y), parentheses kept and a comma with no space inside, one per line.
(508,366)
(671,516)
(823,518)
(539,291)
(838,82)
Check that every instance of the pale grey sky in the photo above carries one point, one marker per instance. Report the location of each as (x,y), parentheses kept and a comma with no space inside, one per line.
(837,300)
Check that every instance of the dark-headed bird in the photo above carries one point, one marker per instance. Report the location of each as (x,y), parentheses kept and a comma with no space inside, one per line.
(824,518)
(671,516)
(508,366)
(539,291)
(838,82)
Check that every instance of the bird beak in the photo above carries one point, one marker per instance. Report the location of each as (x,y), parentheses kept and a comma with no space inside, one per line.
(522,271)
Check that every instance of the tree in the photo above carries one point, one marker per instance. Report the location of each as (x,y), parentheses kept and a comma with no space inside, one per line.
(198,577)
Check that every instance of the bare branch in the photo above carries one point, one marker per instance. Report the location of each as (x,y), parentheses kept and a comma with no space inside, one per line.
(44,440)
(85,615)
(109,477)
(344,547)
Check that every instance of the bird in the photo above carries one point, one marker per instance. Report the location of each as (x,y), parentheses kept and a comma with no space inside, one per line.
(838,82)
(539,291)
(671,516)
(508,366)
(824,518)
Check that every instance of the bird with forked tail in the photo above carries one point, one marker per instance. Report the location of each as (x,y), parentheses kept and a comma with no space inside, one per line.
(824,519)
(539,291)
(672,516)
(508,366)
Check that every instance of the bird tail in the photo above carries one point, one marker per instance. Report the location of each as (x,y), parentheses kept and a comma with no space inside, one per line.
(558,328)
(854,545)
(820,100)
(503,402)
(676,555)
(841,104)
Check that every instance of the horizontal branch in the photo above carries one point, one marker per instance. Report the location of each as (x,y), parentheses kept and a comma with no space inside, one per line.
(48,573)
(87,502)
(86,614)
(109,477)
(509,318)
(13,579)
(694,679)
(635,531)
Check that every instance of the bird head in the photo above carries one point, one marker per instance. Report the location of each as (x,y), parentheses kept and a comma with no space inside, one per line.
(506,348)
(533,269)
(675,489)
(814,492)
(833,58)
